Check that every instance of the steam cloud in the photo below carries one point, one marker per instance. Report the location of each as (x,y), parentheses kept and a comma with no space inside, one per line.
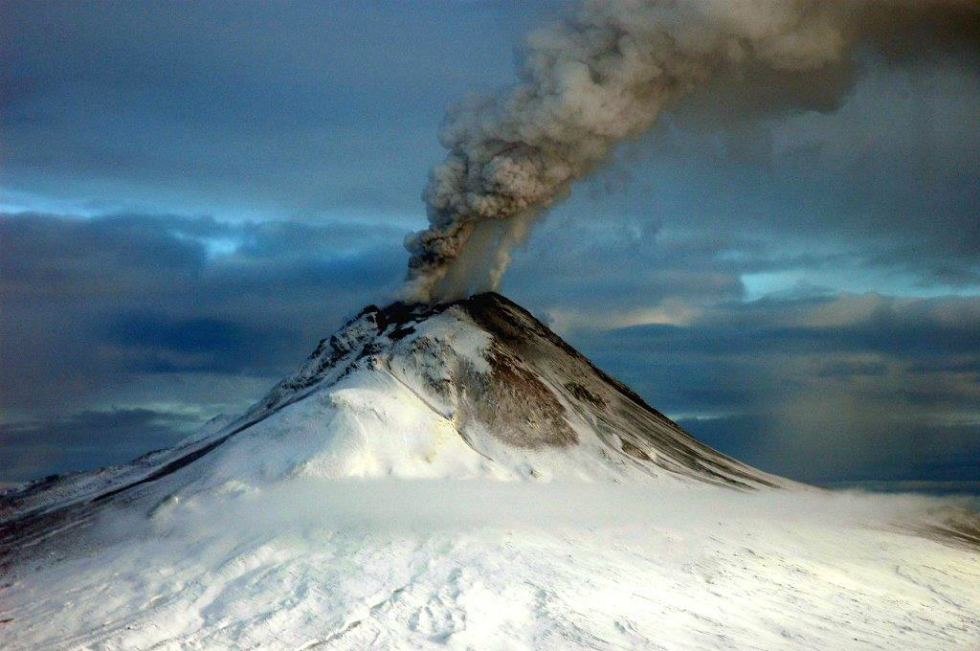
(602,75)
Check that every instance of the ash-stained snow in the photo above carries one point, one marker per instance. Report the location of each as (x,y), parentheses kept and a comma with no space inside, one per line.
(460,477)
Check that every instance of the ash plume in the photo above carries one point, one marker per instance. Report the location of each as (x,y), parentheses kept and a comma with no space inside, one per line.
(603,74)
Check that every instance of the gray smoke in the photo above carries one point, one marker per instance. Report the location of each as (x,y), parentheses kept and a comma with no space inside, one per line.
(602,75)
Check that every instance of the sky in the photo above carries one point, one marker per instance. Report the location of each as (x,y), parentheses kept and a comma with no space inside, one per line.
(193,194)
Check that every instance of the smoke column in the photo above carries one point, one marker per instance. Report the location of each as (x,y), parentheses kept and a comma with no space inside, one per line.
(600,76)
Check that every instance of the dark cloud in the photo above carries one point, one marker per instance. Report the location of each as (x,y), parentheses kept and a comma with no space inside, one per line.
(86,440)
(941,455)
(307,128)
(848,387)
(885,177)
(88,303)
(849,369)
(273,109)
(907,330)
(155,343)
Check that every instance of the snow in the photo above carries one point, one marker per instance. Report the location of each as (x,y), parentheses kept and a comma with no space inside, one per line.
(367,425)
(401,491)
(314,563)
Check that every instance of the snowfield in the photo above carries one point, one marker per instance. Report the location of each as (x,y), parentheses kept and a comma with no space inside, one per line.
(458,477)
(491,565)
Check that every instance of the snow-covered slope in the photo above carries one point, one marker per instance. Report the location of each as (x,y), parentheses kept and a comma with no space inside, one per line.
(358,505)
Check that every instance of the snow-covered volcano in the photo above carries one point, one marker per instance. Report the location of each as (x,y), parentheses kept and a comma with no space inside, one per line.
(304,522)
(477,387)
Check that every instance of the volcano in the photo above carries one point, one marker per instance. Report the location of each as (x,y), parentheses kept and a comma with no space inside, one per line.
(334,513)
(477,387)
